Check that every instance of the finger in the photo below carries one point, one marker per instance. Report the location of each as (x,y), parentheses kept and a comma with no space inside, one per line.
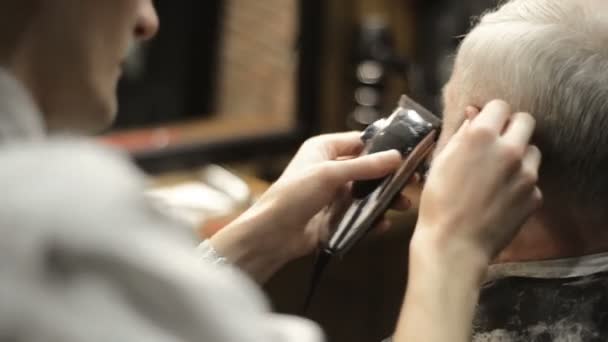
(530,165)
(532,159)
(341,144)
(537,199)
(465,125)
(372,166)
(533,201)
(527,181)
(457,136)
(345,157)
(383,226)
(416,178)
(401,203)
(494,116)
(520,129)
(471,112)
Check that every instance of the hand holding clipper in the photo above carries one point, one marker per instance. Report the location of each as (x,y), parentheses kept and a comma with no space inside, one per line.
(413,131)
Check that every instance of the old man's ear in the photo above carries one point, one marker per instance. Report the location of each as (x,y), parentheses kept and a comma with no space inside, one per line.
(471,112)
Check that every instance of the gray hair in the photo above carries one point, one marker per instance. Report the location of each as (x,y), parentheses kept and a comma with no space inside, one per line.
(549,58)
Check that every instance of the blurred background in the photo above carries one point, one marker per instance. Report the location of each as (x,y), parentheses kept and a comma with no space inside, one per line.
(213,108)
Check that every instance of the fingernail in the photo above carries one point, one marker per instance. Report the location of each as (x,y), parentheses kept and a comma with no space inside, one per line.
(393,152)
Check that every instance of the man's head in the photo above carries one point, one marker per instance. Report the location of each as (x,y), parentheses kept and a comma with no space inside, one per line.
(549,58)
(69,54)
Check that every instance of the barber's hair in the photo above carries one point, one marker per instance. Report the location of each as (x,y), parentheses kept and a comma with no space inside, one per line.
(549,58)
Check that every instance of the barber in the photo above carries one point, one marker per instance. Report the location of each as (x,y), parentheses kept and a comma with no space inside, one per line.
(85,258)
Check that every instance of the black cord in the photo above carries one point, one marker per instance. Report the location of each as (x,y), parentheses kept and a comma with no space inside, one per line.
(321,262)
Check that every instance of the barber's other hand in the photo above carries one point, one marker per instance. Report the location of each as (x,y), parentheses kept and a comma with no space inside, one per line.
(482,187)
(289,220)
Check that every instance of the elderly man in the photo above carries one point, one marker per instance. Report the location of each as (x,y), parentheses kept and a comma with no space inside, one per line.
(84,257)
(549,58)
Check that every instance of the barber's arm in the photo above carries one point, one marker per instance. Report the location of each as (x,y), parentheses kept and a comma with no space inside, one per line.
(287,221)
(481,188)
(480,191)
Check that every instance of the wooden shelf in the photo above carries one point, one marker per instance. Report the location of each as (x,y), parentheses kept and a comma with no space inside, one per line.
(199,132)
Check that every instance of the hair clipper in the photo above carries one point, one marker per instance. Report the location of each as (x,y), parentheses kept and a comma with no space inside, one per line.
(413,131)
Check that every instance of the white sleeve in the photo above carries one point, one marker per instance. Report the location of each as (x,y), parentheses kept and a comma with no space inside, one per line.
(84,258)
(279,327)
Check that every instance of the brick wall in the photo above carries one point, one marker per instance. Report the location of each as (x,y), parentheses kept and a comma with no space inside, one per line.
(258,61)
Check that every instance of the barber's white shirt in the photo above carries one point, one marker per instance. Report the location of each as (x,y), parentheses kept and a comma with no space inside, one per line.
(84,257)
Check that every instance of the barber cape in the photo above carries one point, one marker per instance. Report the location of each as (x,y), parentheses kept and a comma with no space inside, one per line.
(84,257)
(555,300)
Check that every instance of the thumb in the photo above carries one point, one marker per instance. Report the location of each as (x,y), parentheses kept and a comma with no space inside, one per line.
(370,166)
(460,132)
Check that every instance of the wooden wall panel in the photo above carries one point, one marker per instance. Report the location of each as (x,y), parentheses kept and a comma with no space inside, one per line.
(258,60)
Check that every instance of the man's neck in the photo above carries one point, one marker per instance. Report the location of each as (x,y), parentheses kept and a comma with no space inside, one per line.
(544,238)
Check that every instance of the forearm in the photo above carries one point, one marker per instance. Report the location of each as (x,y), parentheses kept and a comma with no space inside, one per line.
(247,245)
(442,293)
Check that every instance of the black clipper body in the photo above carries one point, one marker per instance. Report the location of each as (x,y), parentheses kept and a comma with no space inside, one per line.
(413,131)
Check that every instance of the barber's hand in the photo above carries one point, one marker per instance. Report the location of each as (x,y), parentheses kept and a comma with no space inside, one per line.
(290,219)
(482,187)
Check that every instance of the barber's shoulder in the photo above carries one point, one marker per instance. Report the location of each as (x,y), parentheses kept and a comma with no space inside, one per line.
(71,178)
(74,162)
